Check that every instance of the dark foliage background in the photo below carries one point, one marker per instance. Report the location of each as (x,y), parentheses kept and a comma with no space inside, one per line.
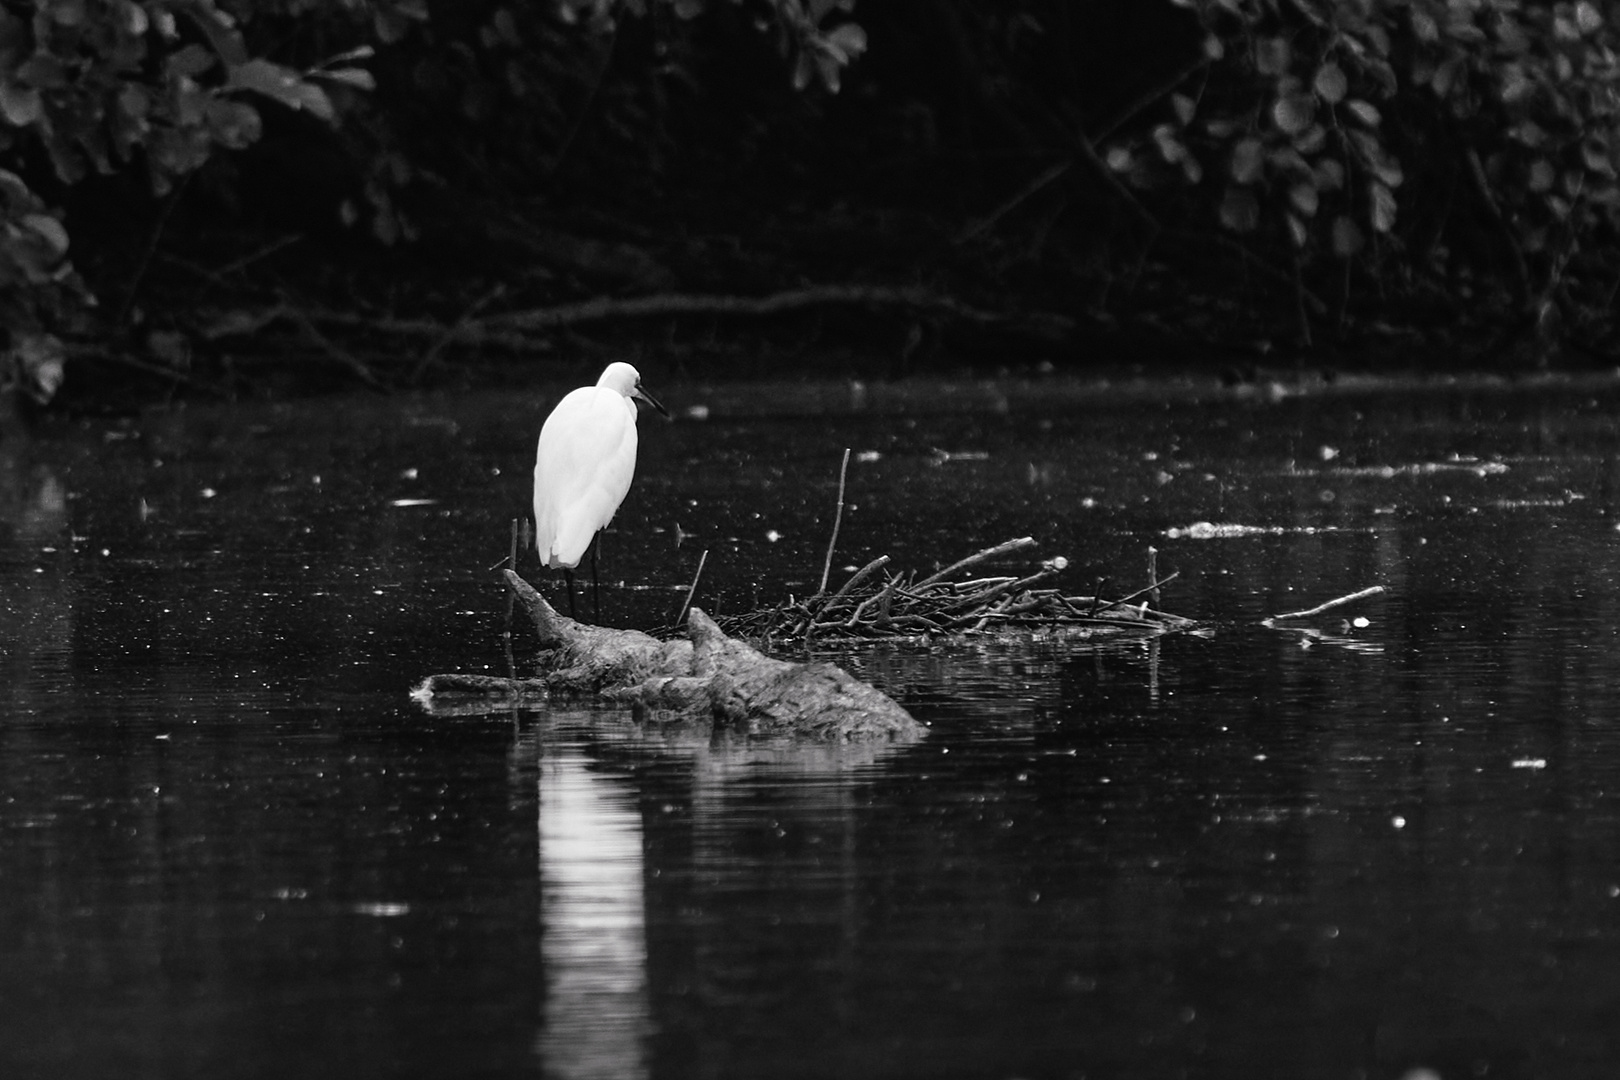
(230,195)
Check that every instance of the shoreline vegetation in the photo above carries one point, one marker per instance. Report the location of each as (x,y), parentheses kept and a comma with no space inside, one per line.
(257,198)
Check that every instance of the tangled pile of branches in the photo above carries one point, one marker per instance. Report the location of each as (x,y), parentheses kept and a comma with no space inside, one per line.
(873,606)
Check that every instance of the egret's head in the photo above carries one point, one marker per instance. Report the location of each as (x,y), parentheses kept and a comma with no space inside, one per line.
(627,381)
(621,377)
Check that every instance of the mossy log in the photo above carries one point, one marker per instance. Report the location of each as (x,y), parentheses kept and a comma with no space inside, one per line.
(705,678)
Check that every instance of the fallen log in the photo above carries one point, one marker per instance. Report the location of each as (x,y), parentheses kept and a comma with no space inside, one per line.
(705,679)
(517,329)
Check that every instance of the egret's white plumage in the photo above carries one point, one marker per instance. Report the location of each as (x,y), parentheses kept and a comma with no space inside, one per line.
(583,465)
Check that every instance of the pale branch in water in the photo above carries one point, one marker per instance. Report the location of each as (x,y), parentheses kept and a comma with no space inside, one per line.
(1349,598)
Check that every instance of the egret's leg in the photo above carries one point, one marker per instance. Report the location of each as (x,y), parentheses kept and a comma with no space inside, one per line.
(568,575)
(596,588)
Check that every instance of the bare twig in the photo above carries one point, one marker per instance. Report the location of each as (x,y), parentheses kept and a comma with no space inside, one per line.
(1482,188)
(988,222)
(1149,588)
(450,333)
(1152,95)
(855,579)
(149,250)
(838,518)
(511,564)
(585,107)
(1153,575)
(330,347)
(1282,277)
(158,370)
(691,592)
(1005,548)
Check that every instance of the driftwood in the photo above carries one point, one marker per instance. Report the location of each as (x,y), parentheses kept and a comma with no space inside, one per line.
(703,679)
(714,681)
(1312,629)
(1338,602)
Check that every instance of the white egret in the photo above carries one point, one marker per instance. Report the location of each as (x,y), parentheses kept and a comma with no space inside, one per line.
(583,466)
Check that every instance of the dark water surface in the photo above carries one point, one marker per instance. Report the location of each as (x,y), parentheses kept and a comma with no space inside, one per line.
(230,846)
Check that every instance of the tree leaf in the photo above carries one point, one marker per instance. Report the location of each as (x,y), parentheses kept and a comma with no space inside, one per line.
(281,84)
(847,40)
(1364,111)
(1382,164)
(1445,76)
(1329,175)
(1184,106)
(1511,36)
(1596,154)
(829,67)
(220,30)
(359,78)
(1271,55)
(1347,238)
(1330,83)
(132,18)
(50,229)
(1293,113)
(1304,197)
(1311,140)
(1240,210)
(67,12)
(1298,231)
(1381,207)
(234,124)
(191,60)
(20,105)
(1516,85)
(1170,147)
(1285,159)
(1248,161)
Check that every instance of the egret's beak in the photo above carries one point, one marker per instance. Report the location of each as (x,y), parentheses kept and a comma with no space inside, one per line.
(641,395)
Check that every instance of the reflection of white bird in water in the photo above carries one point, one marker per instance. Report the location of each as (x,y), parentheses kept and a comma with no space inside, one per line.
(583,466)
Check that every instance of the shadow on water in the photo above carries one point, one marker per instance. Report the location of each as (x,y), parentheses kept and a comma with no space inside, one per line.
(230,847)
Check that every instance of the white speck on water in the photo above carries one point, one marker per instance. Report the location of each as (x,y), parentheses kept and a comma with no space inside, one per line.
(382,909)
